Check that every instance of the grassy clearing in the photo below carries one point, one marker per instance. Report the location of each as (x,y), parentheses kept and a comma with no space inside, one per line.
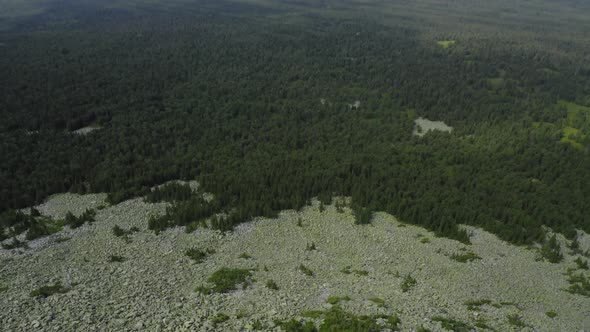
(550,71)
(577,124)
(495,82)
(571,135)
(446,43)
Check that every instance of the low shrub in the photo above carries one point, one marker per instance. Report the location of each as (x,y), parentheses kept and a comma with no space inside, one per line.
(579,284)
(336,319)
(363,273)
(43,227)
(551,251)
(452,324)
(226,279)
(408,283)
(474,305)
(198,255)
(75,222)
(581,263)
(245,255)
(270,284)
(465,257)
(219,318)
(378,301)
(305,270)
(516,320)
(116,259)
(337,299)
(15,244)
(123,233)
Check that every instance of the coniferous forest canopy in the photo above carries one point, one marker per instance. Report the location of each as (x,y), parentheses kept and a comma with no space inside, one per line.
(256,101)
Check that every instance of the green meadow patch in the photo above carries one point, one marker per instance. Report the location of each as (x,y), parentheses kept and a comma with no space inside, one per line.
(495,82)
(446,43)
(577,124)
(550,71)
(571,135)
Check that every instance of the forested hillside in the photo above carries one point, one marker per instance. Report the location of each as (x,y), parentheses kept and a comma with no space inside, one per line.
(268,106)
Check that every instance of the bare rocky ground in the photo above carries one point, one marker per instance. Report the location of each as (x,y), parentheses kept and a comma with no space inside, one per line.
(424,125)
(86,130)
(154,288)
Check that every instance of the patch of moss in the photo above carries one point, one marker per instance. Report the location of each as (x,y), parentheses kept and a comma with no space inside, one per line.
(47,291)
(446,43)
(361,272)
(337,299)
(378,301)
(551,314)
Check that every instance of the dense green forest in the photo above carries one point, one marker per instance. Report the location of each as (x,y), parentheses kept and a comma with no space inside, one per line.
(258,105)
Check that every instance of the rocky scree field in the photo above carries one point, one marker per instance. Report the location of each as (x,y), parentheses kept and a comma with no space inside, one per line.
(301,265)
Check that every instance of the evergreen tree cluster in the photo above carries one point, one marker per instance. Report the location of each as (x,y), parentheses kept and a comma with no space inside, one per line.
(265,116)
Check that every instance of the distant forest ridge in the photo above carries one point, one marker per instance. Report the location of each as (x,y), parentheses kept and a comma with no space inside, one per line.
(270,103)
